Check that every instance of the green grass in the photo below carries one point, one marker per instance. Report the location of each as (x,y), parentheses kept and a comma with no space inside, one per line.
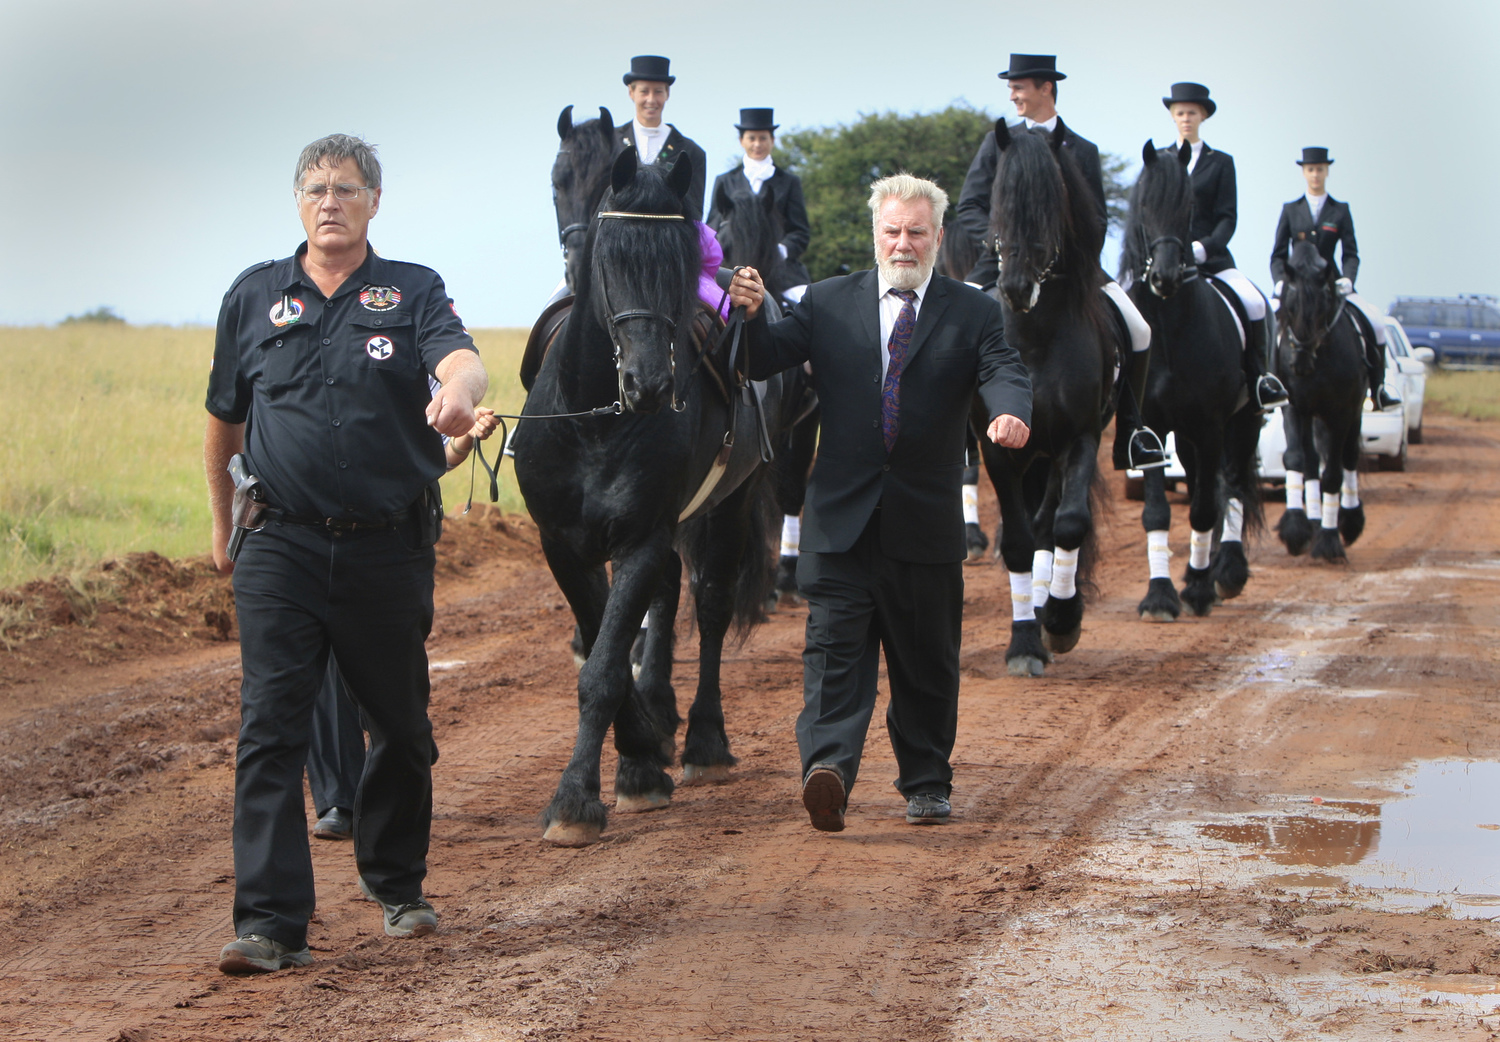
(1473,394)
(102,452)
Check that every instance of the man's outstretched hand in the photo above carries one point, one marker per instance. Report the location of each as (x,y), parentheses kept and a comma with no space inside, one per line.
(1009,432)
(747,291)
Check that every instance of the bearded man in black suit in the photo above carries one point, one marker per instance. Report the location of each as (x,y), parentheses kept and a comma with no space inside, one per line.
(896,356)
(649,83)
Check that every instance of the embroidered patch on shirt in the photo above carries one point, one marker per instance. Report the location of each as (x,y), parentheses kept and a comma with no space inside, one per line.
(286,311)
(379,298)
(379,348)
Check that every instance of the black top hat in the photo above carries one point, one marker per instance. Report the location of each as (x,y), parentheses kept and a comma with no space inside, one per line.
(756,119)
(1314,155)
(1032,66)
(1196,93)
(650,67)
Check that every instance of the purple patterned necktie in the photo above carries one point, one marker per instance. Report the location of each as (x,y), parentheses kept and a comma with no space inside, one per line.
(890,391)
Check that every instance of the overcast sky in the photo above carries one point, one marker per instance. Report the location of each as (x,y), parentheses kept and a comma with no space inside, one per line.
(146,149)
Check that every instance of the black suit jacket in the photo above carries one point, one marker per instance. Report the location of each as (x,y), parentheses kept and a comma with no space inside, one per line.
(973,211)
(786,189)
(676,144)
(1215,197)
(1335,225)
(958,343)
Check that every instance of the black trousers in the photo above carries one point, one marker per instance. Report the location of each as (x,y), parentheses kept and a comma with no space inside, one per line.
(336,757)
(858,603)
(302,593)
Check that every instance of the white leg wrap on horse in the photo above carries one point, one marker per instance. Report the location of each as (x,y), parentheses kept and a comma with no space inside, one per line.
(1158,554)
(1255,303)
(971,504)
(1294,490)
(1314,499)
(1234,522)
(1140,329)
(1041,576)
(1330,510)
(1021,608)
(791,535)
(1199,546)
(1350,497)
(1064,571)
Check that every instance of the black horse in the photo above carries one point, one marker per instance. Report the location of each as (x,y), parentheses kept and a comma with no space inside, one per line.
(616,489)
(1196,389)
(1050,235)
(1320,358)
(580,177)
(750,232)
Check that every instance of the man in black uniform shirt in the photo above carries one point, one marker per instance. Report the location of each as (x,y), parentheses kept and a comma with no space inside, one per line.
(320,378)
(649,82)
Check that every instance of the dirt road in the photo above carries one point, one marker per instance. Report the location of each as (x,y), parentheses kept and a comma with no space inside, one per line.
(1167,837)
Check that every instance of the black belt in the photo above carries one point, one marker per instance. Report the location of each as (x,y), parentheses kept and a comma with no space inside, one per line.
(334,524)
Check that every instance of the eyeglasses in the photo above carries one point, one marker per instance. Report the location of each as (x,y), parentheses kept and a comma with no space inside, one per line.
(343,193)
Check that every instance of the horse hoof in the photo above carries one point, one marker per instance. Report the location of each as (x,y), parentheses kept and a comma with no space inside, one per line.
(1158,615)
(1224,593)
(578,660)
(712,774)
(1061,643)
(642,803)
(635,671)
(571,834)
(1025,666)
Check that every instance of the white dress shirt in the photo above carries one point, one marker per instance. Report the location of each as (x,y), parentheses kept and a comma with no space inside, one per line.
(1197,151)
(890,310)
(1315,203)
(648,140)
(1049,126)
(758,172)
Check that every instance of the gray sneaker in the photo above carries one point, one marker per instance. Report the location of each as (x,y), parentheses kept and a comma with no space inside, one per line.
(413,919)
(254,953)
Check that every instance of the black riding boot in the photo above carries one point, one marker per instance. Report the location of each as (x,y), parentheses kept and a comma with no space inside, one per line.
(1375,363)
(1266,390)
(1136,446)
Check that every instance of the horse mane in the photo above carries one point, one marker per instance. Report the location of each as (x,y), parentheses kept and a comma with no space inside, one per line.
(648,260)
(1161,200)
(754,233)
(958,254)
(1042,196)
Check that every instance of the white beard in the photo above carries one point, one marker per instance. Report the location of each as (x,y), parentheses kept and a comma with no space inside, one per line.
(906,278)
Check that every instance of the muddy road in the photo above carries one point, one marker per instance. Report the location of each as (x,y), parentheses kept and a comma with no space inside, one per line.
(1282,821)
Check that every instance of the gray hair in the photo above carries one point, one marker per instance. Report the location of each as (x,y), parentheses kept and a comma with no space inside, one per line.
(334,149)
(905,187)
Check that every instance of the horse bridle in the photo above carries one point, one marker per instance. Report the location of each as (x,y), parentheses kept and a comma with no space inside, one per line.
(1312,345)
(1189,272)
(616,317)
(1044,275)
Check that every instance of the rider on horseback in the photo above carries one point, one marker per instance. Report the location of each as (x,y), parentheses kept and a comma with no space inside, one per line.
(1326,222)
(1033,80)
(1213,223)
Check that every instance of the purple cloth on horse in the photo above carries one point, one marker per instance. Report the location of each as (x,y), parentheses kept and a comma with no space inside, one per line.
(713,259)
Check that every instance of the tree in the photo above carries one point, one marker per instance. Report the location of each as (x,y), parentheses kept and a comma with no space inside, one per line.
(103,314)
(838,164)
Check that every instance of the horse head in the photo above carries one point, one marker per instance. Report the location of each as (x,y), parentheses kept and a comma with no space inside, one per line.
(580,175)
(1157,250)
(643,282)
(750,231)
(1029,213)
(1310,305)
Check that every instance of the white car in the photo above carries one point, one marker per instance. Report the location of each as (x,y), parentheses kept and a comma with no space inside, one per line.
(1384,434)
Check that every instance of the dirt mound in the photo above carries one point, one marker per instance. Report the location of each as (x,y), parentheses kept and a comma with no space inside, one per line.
(145,604)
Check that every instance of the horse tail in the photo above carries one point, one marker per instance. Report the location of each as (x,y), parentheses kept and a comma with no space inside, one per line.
(1088,552)
(754,573)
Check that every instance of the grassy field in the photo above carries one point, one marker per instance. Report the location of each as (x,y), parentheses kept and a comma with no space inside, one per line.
(1475,395)
(102,452)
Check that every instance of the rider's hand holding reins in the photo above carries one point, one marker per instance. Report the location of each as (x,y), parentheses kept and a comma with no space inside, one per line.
(747,291)
(1009,432)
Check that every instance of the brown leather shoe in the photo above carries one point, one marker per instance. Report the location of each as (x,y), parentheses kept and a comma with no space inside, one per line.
(824,797)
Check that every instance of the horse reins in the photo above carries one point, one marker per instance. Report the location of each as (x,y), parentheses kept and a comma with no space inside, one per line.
(1189,272)
(616,317)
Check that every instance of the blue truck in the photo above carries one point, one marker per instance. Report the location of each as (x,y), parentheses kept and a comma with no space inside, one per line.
(1463,331)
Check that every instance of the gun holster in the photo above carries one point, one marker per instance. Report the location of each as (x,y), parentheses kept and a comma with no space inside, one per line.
(248,512)
(430,515)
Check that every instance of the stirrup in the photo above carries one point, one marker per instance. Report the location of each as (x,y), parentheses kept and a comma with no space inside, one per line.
(1150,455)
(1270,392)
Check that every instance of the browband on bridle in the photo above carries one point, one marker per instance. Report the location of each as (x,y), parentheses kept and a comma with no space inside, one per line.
(616,317)
(626,215)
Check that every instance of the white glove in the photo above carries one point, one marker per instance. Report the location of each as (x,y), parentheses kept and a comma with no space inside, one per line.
(1200,255)
(782,247)
(1345,287)
(1276,291)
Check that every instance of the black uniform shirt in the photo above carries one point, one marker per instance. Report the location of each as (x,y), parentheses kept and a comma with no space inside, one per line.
(333,391)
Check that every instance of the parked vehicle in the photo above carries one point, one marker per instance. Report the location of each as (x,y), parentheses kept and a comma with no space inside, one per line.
(1463,331)
(1413,364)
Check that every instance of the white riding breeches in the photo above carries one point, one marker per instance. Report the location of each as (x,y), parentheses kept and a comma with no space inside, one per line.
(1140,330)
(1250,296)
(1377,320)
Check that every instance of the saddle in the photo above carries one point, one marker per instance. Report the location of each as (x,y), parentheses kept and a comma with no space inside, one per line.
(1236,307)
